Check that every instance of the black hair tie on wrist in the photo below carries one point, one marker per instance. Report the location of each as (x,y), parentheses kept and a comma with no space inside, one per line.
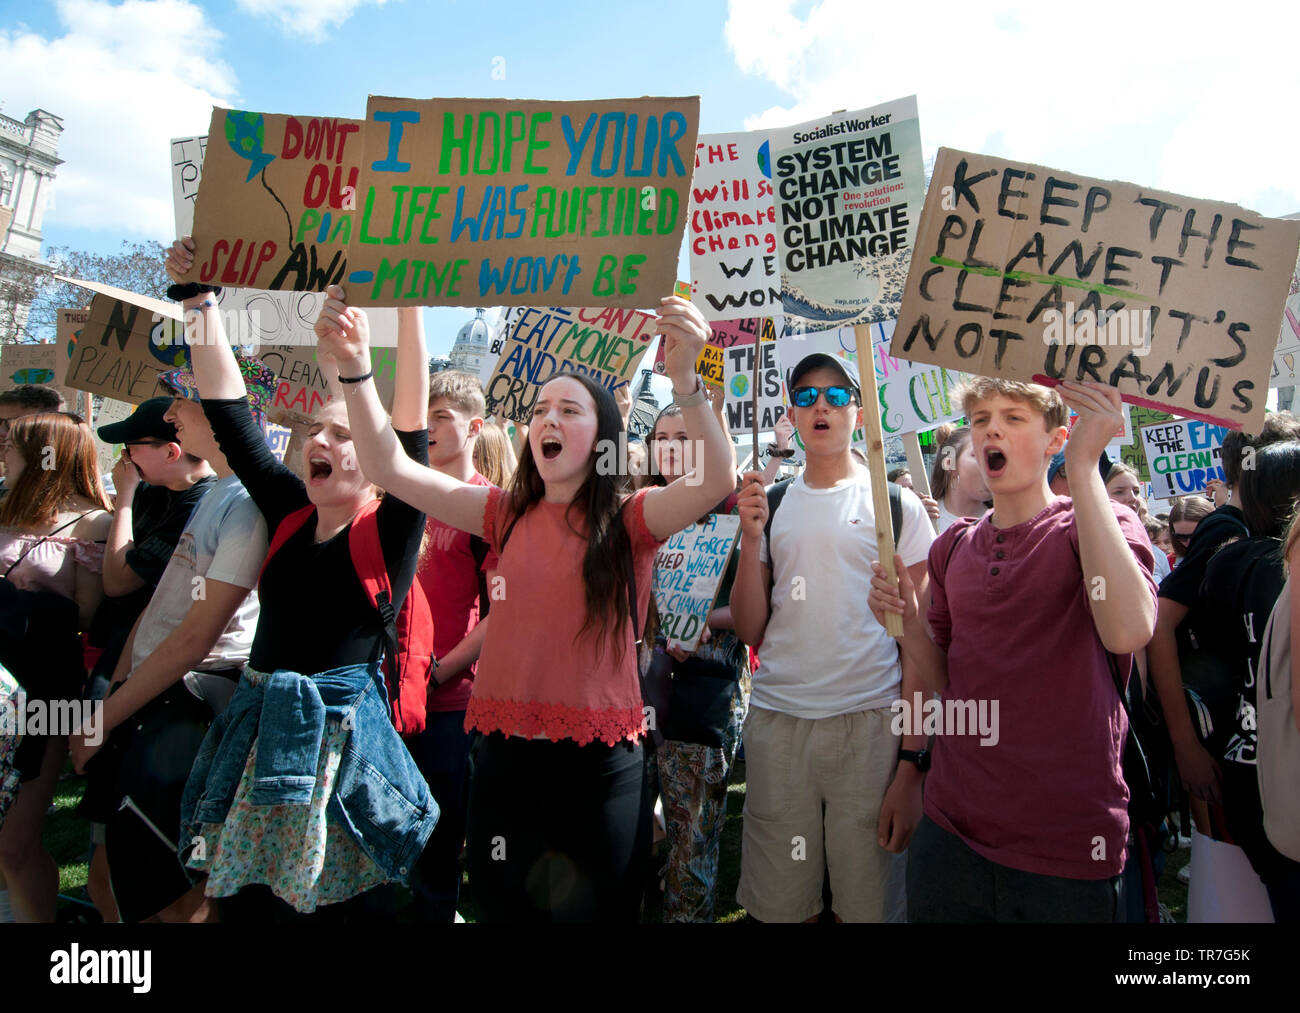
(356,379)
(188,290)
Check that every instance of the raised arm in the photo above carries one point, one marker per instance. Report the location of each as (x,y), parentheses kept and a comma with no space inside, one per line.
(1123,604)
(411,396)
(671,508)
(215,369)
(344,337)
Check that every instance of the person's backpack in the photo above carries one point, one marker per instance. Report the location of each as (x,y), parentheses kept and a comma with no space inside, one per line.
(777,493)
(1277,749)
(408,634)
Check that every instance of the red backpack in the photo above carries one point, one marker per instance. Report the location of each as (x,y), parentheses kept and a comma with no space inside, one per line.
(408,635)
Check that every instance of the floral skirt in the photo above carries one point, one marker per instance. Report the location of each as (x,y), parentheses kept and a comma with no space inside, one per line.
(9,741)
(299,851)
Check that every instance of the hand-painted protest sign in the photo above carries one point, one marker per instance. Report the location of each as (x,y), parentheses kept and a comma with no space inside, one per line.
(737,341)
(689,567)
(603,344)
(187,172)
(303,386)
(277,438)
(39,363)
(1132,453)
(250,316)
(1183,455)
(275,208)
(1025,272)
(110,411)
(848,189)
(733,228)
(124,346)
(521,203)
(724,333)
(1283,373)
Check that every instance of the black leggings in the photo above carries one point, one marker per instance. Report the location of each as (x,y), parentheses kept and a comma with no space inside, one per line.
(557,831)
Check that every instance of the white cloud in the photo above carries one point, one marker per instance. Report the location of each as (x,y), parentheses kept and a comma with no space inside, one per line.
(1198,99)
(306,18)
(125,79)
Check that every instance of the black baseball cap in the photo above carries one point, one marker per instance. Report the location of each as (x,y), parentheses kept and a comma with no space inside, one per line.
(819,360)
(145,423)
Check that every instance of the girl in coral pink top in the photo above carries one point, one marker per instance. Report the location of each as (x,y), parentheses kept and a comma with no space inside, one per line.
(558,822)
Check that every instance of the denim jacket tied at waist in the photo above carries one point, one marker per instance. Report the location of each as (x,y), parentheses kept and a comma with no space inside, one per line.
(380,797)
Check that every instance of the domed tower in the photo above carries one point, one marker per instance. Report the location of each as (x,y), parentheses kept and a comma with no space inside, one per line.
(472,345)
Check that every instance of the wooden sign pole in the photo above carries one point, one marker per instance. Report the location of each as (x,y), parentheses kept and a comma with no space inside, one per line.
(876,463)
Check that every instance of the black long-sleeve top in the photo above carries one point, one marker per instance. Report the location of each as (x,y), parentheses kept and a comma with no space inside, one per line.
(314,612)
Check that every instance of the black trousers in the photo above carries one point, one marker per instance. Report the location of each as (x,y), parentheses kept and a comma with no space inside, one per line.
(557,832)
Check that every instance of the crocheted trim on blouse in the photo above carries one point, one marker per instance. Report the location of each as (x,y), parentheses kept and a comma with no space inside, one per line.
(529,719)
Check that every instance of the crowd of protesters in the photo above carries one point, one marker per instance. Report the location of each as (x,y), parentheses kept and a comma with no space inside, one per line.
(319,688)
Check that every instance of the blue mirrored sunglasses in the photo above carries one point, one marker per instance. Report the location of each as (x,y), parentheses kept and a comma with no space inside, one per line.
(836,396)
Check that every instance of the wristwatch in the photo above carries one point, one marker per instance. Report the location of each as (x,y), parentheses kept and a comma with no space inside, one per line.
(921,757)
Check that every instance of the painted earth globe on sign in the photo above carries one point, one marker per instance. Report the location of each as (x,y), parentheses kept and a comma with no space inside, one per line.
(739,385)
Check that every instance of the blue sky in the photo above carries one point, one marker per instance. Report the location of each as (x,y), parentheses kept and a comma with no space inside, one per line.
(1202,104)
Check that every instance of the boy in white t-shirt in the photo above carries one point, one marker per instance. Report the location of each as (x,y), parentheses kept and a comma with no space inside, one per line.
(824,785)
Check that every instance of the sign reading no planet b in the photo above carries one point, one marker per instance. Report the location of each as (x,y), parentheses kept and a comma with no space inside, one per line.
(689,567)
(464,202)
(603,344)
(848,190)
(1032,274)
(1183,455)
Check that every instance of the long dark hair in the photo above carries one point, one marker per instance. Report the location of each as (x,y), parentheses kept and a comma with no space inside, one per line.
(607,564)
(945,464)
(1269,489)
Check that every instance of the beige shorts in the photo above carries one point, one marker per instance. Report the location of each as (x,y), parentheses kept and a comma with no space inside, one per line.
(813,790)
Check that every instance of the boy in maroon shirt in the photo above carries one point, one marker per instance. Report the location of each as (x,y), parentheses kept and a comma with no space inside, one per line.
(1023,607)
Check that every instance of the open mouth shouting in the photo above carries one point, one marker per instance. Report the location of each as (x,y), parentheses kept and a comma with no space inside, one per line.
(821,425)
(995,462)
(321,469)
(551,447)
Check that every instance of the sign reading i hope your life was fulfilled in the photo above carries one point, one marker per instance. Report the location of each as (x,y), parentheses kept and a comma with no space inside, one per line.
(524,203)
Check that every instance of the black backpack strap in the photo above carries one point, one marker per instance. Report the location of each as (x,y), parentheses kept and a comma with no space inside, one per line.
(896,510)
(774,497)
(478,548)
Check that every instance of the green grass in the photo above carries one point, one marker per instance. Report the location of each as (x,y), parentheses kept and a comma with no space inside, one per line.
(67,837)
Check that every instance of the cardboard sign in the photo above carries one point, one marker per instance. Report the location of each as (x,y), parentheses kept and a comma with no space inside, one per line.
(122,350)
(689,567)
(1132,453)
(1183,455)
(275,208)
(732,227)
(38,363)
(110,411)
(466,202)
(604,344)
(849,188)
(302,387)
(1033,274)
(725,333)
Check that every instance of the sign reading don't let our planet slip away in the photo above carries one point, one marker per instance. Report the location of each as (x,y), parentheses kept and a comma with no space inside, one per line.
(452,202)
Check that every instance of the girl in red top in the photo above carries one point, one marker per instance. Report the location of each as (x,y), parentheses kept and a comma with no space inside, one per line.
(558,823)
